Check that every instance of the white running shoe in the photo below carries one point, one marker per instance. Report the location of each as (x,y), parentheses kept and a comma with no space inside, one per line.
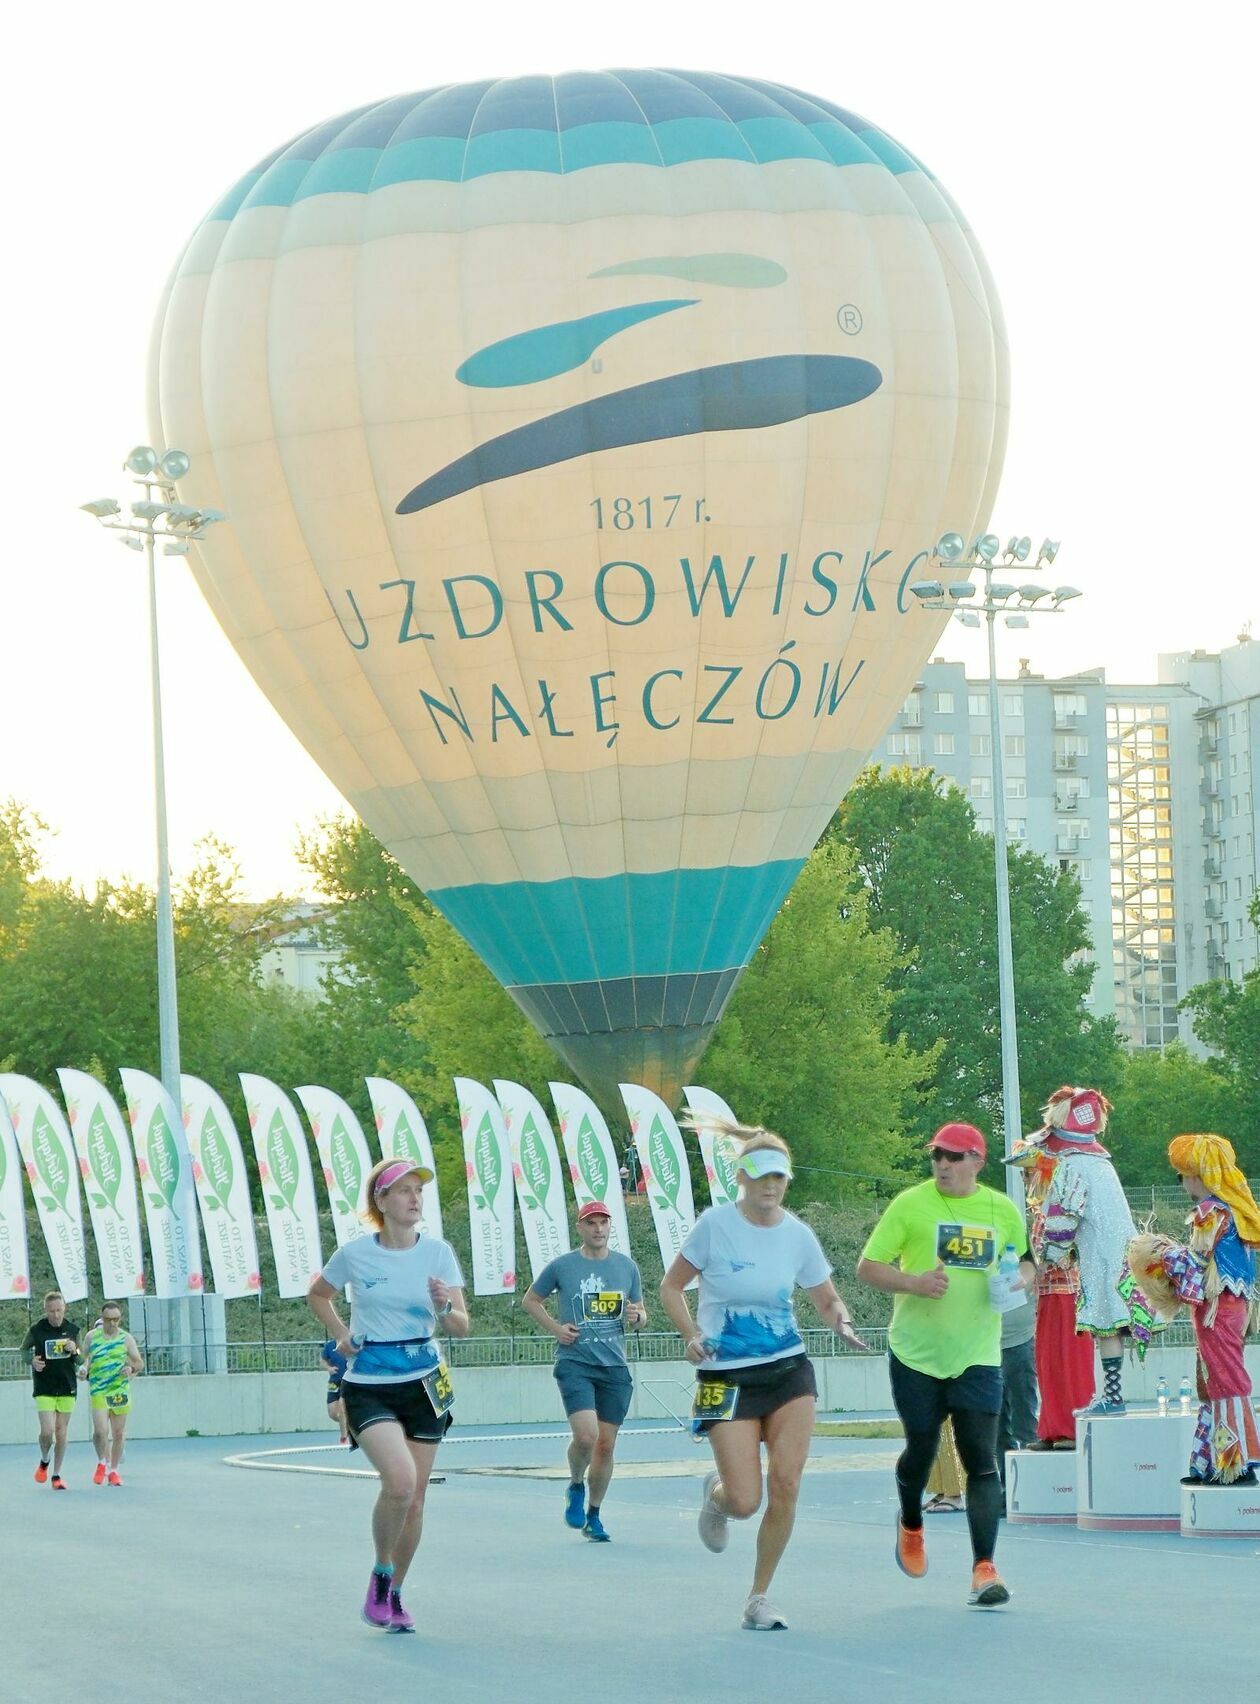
(760,1616)
(714,1531)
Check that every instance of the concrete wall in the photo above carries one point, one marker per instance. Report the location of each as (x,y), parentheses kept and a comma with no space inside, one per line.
(245,1404)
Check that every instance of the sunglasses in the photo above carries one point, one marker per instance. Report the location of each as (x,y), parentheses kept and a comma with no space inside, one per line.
(946,1154)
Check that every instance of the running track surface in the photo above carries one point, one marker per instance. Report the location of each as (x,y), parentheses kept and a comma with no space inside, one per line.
(206,1583)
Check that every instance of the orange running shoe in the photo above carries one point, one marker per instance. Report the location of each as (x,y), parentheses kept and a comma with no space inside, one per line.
(58,1483)
(98,1478)
(911,1552)
(41,1473)
(987,1589)
(115,1478)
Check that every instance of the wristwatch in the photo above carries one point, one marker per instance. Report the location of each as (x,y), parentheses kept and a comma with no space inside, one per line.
(449,1308)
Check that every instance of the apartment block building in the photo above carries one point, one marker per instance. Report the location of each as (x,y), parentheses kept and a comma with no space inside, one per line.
(1143,791)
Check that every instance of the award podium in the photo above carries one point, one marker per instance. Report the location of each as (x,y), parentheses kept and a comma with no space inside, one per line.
(1041,1485)
(1220,1511)
(1129,1470)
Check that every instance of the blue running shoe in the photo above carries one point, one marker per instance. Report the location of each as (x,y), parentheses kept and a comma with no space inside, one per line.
(594,1530)
(575,1507)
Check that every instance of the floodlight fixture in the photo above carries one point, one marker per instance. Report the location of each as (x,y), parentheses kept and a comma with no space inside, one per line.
(987,546)
(1064,594)
(174,464)
(1017,621)
(961,589)
(1001,590)
(178,548)
(924,589)
(148,510)
(950,546)
(968,617)
(1049,550)
(142,460)
(101,507)
(132,542)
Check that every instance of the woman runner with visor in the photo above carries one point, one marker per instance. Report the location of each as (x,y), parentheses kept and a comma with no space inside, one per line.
(396,1389)
(755,1383)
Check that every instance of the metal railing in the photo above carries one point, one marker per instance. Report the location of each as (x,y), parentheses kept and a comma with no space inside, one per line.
(527,1350)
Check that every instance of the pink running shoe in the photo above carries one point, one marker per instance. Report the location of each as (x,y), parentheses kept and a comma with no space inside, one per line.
(98,1478)
(400,1621)
(377,1611)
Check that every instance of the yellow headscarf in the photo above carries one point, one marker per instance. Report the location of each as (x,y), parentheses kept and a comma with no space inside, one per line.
(1212,1159)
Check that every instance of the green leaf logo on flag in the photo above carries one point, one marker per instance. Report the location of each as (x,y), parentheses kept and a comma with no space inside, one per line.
(724,1157)
(590,1159)
(282,1160)
(535,1165)
(50,1159)
(487,1160)
(663,1163)
(217,1162)
(163,1156)
(405,1146)
(345,1163)
(104,1157)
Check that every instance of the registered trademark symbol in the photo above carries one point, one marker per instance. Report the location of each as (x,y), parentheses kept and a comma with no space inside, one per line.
(849,319)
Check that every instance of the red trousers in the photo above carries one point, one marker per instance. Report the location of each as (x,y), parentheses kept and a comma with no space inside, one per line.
(1065,1366)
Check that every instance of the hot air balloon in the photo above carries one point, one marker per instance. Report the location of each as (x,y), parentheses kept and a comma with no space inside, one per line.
(579,437)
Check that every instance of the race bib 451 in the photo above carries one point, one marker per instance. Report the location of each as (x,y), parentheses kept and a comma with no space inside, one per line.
(970,1246)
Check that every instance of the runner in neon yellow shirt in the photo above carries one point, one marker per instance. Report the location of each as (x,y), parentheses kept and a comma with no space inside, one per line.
(112,1361)
(935,1249)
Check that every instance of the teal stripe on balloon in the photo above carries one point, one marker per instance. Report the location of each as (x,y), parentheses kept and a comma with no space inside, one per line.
(597,928)
(738,271)
(549,350)
(451,159)
(512,151)
(425,159)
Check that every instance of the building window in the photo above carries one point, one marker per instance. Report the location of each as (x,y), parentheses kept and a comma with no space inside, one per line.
(981,745)
(945,704)
(943,745)
(905,745)
(1013,704)
(1016,828)
(977,704)
(1016,787)
(981,787)
(1013,745)
(984,825)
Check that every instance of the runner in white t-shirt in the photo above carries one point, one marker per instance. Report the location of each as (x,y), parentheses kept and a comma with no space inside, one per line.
(755,1383)
(396,1388)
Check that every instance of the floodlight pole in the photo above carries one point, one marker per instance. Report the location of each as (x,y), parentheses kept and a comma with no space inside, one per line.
(1012,1123)
(950,557)
(168,1003)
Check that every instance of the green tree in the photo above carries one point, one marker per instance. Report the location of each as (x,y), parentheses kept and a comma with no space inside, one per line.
(469,1028)
(1227,1019)
(929,876)
(804,1047)
(1166,1094)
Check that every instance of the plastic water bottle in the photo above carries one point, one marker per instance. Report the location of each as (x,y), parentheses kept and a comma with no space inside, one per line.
(1185,1393)
(1161,1394)
(1005,1290)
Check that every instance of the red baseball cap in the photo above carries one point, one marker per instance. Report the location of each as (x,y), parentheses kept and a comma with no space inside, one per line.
(959,1139)
(594,1210)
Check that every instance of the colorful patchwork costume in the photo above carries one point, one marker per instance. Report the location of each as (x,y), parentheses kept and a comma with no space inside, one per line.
(1087,1224)
(1214,1275)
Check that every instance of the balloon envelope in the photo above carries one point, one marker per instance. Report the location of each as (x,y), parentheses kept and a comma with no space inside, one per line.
(579,437)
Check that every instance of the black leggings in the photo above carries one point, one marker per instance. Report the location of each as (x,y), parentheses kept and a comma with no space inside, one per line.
(976,1437)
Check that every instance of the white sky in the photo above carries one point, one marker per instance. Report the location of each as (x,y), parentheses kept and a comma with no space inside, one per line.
(1102,153)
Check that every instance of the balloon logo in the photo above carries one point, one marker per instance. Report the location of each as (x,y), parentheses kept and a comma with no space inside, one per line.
(579,437)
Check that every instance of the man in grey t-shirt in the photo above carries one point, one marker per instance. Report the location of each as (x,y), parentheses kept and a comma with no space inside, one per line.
(598,1294)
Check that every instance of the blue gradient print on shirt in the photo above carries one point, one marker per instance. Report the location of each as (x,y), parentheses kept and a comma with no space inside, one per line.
(762,1332)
